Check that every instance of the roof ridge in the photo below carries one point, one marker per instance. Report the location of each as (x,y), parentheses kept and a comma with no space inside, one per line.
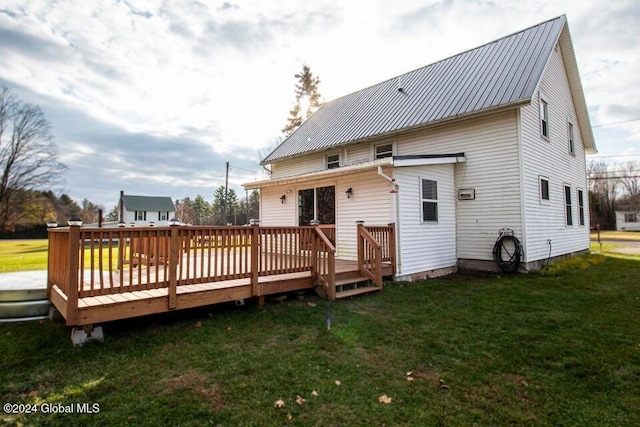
(447,58)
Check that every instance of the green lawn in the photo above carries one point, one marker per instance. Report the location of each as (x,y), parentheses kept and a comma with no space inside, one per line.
(23,255)
(559,347)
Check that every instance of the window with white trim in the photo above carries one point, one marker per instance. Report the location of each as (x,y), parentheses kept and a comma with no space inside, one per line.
(429,199)
(383,151)
(163,216)
(141,215)
(567,205)
(630,217)
(570,139)
(544,189)
(544,118)
(581,207)
(333,161)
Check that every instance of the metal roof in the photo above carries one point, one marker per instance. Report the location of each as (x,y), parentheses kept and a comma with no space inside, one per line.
(501,73)
(148,204)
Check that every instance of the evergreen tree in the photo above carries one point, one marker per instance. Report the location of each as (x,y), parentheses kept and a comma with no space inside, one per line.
(307,100)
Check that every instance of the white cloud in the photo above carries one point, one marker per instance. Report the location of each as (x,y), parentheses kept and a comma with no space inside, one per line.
(199,83)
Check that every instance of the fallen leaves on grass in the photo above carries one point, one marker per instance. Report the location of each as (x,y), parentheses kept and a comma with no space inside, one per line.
(300,400)
(314,393)
(198,324)
(279,404)
(384,399)
(338,382)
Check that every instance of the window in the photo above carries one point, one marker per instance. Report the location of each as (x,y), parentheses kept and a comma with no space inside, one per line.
(317,203)
(333,161)
(630,217)
(544,119)
(141,215)
(383,151)
(572,148)
(544,189)
(429,200)
(581,206)
(567,204)
(163,216)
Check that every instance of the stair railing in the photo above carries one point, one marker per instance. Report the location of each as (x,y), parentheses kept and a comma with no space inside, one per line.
(369,256)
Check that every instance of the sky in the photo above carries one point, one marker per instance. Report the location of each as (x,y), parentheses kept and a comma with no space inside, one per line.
(155,97)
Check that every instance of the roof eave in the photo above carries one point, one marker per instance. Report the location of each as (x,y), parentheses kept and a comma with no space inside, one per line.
(577,91)
(446,120)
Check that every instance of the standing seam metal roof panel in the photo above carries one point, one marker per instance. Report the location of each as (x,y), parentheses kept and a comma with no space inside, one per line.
(502,72)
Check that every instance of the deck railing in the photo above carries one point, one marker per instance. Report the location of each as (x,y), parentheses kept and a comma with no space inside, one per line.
(86,262)
(376,245)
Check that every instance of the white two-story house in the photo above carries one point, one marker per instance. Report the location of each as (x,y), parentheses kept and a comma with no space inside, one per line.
(492,138)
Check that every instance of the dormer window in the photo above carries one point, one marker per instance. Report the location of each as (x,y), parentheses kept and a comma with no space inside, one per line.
(383,151)
(333,161)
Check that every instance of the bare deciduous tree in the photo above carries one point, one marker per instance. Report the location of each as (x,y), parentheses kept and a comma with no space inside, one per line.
(28,155)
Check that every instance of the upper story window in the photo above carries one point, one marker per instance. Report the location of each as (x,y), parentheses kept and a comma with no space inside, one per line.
(141,215)
(630,217)
(544,189)
(544,118)
(333,161)
(570,138)
(383,151)
(163,216)
(429,199)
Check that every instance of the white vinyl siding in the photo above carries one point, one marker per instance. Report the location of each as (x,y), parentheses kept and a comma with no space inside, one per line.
(547,222)
(490,145)
(426,245)
(272,211)
(298,166)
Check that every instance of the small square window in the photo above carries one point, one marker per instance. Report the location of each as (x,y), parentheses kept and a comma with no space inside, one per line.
(383,151)
(544,118)
(630,217)
(544,189)
(333,161)
(572,148)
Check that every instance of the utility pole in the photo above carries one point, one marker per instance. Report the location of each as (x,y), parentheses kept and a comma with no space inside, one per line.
(226,196)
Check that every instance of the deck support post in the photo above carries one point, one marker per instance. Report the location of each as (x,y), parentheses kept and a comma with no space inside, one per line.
(174,255)
(255,264)
(72,280)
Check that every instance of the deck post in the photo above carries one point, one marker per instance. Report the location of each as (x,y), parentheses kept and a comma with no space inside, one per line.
(72,278)
(255,264)
(174,255)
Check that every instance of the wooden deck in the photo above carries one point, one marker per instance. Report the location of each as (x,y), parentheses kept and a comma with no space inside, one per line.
(99,275)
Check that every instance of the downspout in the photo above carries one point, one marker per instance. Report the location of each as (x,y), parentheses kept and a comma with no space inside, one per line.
(396,201)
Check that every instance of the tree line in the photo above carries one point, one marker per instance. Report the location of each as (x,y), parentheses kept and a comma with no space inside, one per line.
(612,187)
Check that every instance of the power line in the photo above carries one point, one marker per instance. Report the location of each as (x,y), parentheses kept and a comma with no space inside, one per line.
(615,123)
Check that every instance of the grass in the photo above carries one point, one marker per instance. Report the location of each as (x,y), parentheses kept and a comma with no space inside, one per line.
(617,235)
(558,347)
(26,255)
(23,255)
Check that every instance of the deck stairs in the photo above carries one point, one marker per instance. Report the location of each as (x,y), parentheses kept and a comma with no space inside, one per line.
(352,283)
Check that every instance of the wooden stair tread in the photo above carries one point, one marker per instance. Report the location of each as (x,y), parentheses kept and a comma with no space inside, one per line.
(351,281)
(356,291)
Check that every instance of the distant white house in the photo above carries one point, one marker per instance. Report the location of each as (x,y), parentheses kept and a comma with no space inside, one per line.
(627,220)
(144,210)
(493,138)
